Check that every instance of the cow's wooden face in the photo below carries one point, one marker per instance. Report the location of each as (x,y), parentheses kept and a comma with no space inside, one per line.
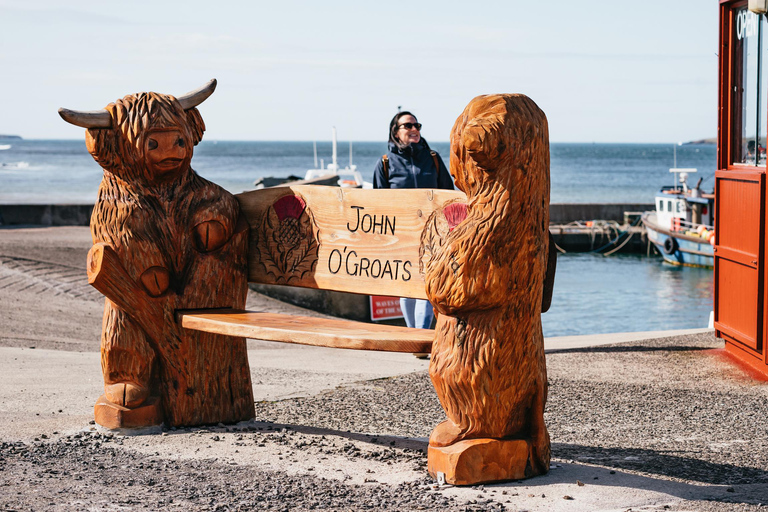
(167,154)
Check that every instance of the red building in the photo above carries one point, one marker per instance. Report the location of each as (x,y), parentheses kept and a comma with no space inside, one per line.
(740,193)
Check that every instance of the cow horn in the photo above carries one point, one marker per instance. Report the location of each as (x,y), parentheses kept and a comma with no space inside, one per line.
(89,119)
(196,97)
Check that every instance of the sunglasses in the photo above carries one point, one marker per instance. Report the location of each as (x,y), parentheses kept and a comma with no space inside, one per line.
(408,126)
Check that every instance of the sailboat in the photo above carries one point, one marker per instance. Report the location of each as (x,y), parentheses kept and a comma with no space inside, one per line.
(349,176)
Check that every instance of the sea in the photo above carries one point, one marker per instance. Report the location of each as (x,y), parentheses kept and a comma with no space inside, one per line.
(593,293)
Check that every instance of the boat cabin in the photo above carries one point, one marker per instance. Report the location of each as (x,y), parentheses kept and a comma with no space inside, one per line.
(673,206)
(680,207)
(740,185)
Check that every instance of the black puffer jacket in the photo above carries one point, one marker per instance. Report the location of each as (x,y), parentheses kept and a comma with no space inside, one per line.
(412,167)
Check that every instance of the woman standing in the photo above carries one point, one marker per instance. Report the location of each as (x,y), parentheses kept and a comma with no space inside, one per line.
(411,163)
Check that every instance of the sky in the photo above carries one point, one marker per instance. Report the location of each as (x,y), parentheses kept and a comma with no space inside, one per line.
(601,71)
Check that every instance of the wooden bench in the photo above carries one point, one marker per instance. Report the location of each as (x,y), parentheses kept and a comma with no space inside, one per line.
(340,239)
(173,254)
(322,237)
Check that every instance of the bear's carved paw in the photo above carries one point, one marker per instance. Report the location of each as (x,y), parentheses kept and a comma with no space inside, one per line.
(445,434)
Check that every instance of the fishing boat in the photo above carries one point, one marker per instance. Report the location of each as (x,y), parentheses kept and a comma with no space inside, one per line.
(682,227)
(349,176)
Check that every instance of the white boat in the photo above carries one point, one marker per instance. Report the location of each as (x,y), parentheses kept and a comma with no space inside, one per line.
(349,176)
(5,146)
(682,227)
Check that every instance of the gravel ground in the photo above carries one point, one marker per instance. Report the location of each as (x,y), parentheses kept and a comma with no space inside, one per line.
(669,409)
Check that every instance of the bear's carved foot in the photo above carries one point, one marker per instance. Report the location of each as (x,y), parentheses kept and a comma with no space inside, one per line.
(445,434)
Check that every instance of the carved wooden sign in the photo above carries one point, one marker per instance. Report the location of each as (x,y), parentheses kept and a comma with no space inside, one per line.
(352,240)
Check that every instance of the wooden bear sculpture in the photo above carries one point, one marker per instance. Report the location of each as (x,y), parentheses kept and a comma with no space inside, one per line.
(486,281)
(165,239)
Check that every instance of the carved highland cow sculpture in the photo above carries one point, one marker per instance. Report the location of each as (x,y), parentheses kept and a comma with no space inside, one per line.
(173,240)
(486,281)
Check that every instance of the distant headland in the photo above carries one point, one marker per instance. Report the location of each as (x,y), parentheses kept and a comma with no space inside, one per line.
(712,140)
(3,136)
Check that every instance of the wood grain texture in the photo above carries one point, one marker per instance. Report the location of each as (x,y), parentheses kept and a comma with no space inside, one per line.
(166,239)
(485,277)
(324,332)
(480,461)
(349,240)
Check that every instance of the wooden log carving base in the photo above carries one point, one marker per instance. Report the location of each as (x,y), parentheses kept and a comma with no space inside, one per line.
(479,461)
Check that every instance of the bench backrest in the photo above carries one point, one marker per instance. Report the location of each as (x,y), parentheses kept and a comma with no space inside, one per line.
(350,240)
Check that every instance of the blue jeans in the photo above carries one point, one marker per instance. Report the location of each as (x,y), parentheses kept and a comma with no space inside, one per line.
(417,312)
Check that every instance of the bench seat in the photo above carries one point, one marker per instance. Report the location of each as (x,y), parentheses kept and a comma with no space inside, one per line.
(305,330)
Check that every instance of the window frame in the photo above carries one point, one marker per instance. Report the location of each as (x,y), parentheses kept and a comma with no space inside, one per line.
(730,106)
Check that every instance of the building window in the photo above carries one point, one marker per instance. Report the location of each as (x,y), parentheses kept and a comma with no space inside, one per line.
(749,89)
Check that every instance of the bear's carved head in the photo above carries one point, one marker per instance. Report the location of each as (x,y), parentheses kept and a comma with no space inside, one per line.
(495,138)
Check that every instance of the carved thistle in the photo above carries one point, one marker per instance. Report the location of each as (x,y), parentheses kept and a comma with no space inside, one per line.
(440,223)
(485,268)
(165,239)
(288,241)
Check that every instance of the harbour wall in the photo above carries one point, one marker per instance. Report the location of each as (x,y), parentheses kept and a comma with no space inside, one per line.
(80,214)
(45,214)
(563,213)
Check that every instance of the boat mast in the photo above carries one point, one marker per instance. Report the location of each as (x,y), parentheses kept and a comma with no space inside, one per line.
(335,163)
(314,146)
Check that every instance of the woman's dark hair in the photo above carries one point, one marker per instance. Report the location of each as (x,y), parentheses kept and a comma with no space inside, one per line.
(393,127)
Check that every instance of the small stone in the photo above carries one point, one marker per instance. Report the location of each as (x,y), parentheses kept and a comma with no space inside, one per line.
(579,483)
(566,497)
